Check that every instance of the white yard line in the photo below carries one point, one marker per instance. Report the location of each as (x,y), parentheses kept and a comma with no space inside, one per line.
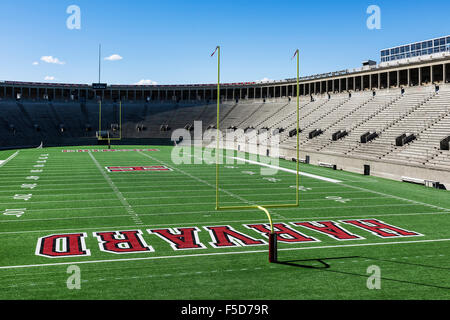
(170,190)
(191,212)
(309,175)
(294,219)
(49,182)
(221,254)
(143,175)
(167,187)
(3,162)
(288,192)
(208,203)
(117,192)
(80,181)
(61,201)
(68,218)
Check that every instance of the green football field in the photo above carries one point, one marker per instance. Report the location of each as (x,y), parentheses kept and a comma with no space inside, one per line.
(154,233)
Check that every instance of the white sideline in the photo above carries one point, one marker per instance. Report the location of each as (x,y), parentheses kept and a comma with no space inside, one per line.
(300,219)
(219,254)
(3,162)
(309,175)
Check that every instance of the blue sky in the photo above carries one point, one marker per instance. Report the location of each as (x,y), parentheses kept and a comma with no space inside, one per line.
(170,42)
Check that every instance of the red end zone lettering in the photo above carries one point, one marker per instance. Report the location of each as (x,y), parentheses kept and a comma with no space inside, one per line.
(62,246)
(138,169)
(329,228)
(226,236)
(284,233)
(381,229)
(122,242)
(180,238)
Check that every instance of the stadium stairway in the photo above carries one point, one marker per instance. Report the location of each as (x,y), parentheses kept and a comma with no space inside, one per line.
(351,120)
(310,121)
(378,119)
(404,119)
(435,125)
(330,120)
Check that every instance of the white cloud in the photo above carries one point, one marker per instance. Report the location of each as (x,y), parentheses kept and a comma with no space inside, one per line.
(50,59)
(114,57)
(49,78)
(146,83)
(35,63)
(264,80)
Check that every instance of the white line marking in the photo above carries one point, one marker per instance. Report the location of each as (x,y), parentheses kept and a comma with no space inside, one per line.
(3,162)
(337,181)
(142,177)
(296,219)
(117,191)
(205,212)
(396,197)
(209,184)
(281,186)
(309,175)
(287,192)
(220,254)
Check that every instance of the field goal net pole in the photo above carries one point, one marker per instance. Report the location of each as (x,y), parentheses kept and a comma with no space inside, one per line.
(100,124)
(273,256)
(109,141)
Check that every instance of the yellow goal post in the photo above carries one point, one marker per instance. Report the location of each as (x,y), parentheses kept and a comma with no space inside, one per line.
(100,123)
(272,237)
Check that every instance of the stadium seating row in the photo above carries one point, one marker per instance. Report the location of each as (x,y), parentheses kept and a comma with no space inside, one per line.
(389,113)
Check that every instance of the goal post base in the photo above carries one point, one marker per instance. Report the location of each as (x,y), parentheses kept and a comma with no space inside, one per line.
(273,252)
(273,255)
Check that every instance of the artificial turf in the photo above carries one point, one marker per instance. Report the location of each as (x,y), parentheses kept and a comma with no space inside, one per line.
(76,194)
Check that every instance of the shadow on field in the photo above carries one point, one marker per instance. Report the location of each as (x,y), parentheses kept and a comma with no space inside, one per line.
(324,266)
(410,263)
(308,263)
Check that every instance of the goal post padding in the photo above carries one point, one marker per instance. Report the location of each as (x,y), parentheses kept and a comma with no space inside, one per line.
(273,256)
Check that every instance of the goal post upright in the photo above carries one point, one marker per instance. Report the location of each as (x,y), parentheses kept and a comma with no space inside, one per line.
(100,123)
(100,116)
(217,124)
(120,120)
(297,53)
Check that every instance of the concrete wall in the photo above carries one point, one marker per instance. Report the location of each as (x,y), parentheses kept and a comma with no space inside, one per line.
(377,168)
